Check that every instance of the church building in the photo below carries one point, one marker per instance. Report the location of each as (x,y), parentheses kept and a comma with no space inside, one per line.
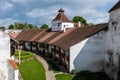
(72,47)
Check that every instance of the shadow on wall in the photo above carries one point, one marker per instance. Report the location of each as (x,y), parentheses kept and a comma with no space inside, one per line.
(91,56)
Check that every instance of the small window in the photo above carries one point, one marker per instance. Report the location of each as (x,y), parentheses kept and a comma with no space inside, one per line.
(59,24)
(115,28)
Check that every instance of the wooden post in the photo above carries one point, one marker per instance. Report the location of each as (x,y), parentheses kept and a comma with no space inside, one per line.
(19,52)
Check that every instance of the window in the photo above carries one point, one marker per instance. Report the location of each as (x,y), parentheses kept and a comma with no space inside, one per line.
(59,24)
(115,28)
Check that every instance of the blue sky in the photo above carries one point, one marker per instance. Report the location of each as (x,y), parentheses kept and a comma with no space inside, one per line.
(40,12)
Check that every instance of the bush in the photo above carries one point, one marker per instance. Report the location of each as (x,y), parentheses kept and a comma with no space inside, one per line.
(73,71)
(24,55)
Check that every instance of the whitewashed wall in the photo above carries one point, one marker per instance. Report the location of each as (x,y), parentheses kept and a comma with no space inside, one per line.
(88,54)
(4,55)
(113,45)
(61,27)
(13,74)
(55,26)
(5,72)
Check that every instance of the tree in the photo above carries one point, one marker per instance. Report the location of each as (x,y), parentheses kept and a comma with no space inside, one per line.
(35,27)
(90,24)
(18,25)
(2,27)
(11,26)
(76,19)
(44,26)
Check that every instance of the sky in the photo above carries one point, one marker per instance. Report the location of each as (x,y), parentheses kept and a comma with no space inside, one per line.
(38,12)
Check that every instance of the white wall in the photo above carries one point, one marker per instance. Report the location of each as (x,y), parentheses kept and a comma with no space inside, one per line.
(55,26)
(67,25)
(61,27)
(4,55)
(88,54)
(6,73)
(12,73)
(113,44)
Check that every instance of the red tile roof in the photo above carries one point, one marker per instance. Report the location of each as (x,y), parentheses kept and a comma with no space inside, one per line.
(49,34)
(77,35)
(39,34)
(61,39)
(61,35)
(27,35)
(61,16)
(52,37)
(13,34)
(117,6)
(13,64)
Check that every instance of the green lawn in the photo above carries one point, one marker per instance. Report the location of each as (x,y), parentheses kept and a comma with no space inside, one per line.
(53,66)
(32,70)
(24,55)
(63,77)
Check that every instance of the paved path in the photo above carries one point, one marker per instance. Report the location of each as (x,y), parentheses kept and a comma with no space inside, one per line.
(49,73)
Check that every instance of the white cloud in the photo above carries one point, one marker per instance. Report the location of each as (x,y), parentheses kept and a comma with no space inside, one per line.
(7,21)
(47,12)
(43,11)
(4,5)
(21,1)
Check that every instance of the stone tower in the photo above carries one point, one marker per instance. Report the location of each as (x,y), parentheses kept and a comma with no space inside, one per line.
(112,59)
(61,22)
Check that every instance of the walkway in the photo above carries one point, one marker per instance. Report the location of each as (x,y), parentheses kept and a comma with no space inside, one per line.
(49,73)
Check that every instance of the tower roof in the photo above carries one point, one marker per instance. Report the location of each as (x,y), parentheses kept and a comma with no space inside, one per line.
(61,10)
(61,16)
(117,6)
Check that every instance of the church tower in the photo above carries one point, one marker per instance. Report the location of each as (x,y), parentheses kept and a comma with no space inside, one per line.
(61,22)
(113,43)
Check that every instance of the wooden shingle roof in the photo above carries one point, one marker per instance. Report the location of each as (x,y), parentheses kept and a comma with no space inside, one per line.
(27,35)
(61,16)
(78,35)
(61,39)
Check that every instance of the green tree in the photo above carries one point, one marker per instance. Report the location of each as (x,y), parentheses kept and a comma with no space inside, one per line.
(30,26)
(90,24)
(76,19)
(18,25)
(44,26)
(2,27)
(11,26)
(35,27)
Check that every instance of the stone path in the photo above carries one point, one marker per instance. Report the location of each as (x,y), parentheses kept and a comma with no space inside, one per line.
(49,73)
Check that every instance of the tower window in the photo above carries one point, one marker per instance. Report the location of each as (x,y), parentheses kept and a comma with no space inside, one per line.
(115,28)
(59,23)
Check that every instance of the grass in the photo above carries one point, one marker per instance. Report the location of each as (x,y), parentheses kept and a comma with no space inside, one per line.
(24,55)
(63,77)
(52,65)
(32,70)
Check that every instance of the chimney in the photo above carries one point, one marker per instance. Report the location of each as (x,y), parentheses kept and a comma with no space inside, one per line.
(79,24)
